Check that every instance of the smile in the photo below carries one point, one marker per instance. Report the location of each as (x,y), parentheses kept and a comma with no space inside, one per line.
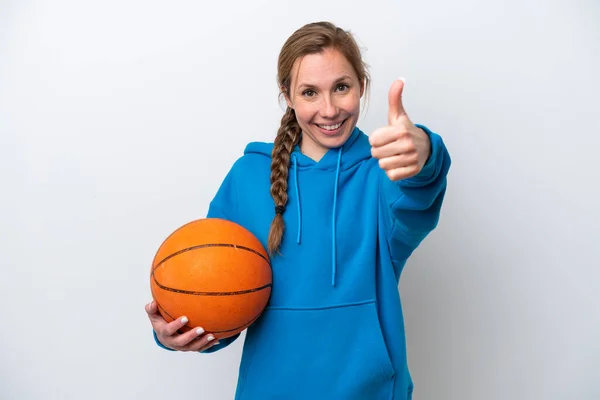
(331,127)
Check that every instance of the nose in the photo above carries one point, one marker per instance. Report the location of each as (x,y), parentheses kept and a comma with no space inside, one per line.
(328,108)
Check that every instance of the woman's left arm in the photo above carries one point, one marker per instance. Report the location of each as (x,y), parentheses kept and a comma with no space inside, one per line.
(415,162)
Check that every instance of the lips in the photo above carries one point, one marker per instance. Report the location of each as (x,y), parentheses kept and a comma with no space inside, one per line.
(331,129)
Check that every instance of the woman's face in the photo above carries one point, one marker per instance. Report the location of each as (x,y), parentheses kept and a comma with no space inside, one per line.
(325,94)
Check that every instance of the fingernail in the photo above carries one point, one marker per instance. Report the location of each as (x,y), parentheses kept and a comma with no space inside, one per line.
(402,79)
(184,320)
(199,331)
(210,337)
(216,343)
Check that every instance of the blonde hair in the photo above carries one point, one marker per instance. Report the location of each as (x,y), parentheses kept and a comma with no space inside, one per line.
(310,39)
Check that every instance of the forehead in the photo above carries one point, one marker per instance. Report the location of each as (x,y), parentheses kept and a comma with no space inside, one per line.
(321,68)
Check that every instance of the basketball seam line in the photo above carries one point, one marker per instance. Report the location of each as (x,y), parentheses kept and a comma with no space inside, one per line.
(244,326)
(201,246)
(195,293)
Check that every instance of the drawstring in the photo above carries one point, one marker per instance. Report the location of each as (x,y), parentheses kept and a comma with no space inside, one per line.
(297,198)
(333,217)
(335,190)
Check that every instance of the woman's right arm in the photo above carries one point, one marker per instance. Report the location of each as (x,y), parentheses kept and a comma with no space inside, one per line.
(165,333)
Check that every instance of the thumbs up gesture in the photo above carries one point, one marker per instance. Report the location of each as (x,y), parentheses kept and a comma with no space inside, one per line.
(401,148)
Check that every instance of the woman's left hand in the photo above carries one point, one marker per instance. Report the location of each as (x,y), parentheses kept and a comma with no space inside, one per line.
(401,148)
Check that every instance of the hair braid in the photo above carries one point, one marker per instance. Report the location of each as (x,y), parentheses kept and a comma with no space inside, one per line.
(287,137)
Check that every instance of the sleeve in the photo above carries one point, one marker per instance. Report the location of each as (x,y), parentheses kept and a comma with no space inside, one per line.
(225,201)
(222,343)
(223,205)
(412,206)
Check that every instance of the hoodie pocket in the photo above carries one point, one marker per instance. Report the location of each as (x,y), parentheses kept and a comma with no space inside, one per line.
(331,353)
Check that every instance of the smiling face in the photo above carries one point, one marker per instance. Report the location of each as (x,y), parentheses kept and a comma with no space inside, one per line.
(325,94)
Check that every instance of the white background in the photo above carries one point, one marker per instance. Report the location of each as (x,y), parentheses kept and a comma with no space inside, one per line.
(118,120)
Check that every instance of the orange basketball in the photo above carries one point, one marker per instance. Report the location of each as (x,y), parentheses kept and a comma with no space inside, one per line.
(214,272)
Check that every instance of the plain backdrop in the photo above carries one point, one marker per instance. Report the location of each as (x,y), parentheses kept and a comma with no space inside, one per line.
(119,119)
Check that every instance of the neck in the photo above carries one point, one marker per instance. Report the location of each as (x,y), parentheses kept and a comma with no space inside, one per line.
(312,151)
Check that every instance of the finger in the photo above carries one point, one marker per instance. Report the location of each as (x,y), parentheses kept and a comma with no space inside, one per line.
(209,345)
(174,326)
(395,106)
(397,174)
(203,342)
(393,149)
(401,161)
(155,318)
(387,134)
(151,308)
(188,338)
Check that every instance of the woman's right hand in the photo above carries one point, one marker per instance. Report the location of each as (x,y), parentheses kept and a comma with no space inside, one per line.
(166,332)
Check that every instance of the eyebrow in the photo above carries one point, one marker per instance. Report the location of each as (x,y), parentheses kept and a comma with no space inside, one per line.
(337,81)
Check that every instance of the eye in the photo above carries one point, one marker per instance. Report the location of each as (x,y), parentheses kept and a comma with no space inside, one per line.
(309,93)
(342,87)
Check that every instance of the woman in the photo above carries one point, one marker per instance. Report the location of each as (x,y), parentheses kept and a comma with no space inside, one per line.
(340,213)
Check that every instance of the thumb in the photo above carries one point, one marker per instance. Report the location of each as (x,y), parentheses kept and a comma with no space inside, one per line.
(152,309)
(396,108)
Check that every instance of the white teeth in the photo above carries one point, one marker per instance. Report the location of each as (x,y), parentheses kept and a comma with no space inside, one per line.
(331,127)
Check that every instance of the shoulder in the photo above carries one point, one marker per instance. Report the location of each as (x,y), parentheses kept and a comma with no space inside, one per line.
(259,148)
(255,158)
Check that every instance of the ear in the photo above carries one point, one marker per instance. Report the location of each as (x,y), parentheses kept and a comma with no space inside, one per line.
(287,98)
(362,88)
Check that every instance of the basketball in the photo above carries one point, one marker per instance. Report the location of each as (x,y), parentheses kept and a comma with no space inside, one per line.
(214,272)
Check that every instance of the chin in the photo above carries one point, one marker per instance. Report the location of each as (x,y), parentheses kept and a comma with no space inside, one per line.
(334,142)
(335,139)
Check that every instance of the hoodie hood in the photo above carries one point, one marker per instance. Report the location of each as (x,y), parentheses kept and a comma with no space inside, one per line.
(356,149)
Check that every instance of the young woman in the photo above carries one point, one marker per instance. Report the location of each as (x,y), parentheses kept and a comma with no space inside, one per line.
(340,213)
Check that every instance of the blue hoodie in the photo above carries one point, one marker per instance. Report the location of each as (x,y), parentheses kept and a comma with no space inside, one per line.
(333,328)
